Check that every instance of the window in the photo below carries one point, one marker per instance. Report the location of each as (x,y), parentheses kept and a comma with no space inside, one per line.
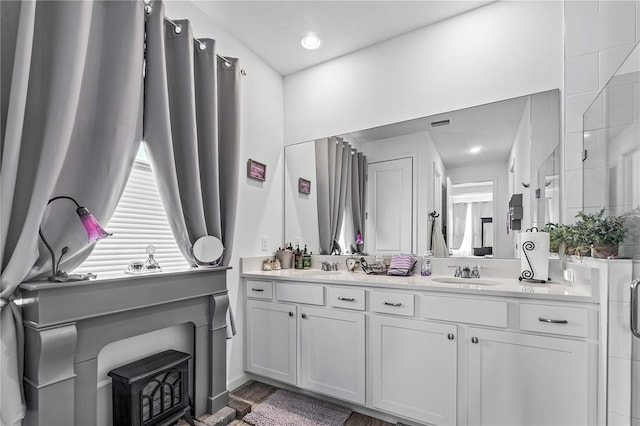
(139,220)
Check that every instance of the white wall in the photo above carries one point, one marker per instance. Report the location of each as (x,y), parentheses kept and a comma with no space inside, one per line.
(259,203)
(498,173)
(502,50)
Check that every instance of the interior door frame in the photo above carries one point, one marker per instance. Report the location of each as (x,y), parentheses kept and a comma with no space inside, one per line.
(414,193)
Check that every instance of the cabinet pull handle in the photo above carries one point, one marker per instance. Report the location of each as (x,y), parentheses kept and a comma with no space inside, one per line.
(290,314)
(393,304)
(347,299)
(450,336)
(552,321)
(304,315)
(474,340)
(257,289)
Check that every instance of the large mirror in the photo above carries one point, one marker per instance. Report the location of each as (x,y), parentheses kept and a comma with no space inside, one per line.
(468,180)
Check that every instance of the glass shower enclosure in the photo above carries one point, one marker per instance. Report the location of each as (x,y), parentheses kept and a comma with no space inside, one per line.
(611,179)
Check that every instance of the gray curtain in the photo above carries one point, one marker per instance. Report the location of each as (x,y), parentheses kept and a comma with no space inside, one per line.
(332,171)
(191,128)
(358,192)
(58,60)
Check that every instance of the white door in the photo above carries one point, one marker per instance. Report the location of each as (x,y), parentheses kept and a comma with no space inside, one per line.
(332,353)
(271,340)
(521,379)
(418,380)
(389,226)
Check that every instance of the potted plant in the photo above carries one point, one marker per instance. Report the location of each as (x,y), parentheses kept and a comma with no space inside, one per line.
(563,239)
(599,231)
(555,236)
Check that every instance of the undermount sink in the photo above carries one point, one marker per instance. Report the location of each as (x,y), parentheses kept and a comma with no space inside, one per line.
(457,280)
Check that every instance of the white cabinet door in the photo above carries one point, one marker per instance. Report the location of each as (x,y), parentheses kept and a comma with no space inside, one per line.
(521,379)
(414,369)
(271,340)
(332,353)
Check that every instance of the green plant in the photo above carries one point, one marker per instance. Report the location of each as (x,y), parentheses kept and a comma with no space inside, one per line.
(561,234)
(555,236)
(598,229)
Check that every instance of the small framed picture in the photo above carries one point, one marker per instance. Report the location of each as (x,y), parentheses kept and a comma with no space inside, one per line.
(304,186)
(256,170)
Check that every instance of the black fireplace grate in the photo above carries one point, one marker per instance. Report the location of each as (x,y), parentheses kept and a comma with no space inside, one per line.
(152,391)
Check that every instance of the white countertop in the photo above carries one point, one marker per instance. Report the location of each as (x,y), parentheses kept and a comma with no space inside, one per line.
(500,286)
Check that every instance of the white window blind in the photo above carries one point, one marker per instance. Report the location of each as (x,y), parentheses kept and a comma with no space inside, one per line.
(139,220)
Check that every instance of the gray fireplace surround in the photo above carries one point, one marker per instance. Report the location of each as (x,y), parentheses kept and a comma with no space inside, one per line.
(67,324)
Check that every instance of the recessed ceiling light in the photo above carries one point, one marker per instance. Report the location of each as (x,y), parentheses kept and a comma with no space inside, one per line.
(311,41)
(475,149)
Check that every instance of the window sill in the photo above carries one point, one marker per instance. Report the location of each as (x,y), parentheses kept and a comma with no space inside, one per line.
(115,277)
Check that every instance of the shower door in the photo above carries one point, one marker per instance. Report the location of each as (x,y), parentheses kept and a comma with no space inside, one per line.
(611,179)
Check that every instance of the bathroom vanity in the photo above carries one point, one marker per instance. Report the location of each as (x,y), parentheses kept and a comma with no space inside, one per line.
(431,350)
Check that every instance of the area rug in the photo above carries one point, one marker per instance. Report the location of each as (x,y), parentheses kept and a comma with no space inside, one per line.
(284,408)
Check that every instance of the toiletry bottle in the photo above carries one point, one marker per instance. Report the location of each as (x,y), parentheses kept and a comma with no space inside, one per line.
(306,258)
(298,259)
(425,268)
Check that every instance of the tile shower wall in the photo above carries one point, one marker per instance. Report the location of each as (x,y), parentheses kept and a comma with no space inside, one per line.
(598,37)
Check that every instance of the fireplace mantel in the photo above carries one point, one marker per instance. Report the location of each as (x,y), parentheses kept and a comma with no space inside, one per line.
(67,324)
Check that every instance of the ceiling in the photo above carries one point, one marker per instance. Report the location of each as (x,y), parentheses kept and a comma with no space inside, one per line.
(492,126)
(273,29)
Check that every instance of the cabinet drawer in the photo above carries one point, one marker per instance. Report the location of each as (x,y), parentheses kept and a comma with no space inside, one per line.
(300,293)
(470,311)
(564,320)
(392,303)
(348,298)
(259,289)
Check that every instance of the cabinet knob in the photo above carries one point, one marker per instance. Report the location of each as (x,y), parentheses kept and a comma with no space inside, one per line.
(450,336)
(474,340)
(290,314)
(304,315)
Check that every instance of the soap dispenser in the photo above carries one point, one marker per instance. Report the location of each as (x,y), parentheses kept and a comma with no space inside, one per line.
(425,268)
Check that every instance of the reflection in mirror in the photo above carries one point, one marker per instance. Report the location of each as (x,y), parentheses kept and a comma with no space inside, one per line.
(549,184)
(471,207)
(419,166)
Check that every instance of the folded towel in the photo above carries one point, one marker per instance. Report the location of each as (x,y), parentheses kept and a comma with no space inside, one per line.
(401,264)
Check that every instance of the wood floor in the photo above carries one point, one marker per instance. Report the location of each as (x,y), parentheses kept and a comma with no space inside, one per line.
(253,393)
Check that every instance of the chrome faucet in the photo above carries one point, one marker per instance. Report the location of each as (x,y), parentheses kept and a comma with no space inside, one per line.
(458,271)
(334,266)
(475,272)
(466,272)
(325,266)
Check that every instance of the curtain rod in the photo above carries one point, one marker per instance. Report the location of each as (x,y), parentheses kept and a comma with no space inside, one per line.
(178,29)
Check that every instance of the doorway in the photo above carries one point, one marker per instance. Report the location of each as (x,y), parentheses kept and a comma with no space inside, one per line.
(390,207)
